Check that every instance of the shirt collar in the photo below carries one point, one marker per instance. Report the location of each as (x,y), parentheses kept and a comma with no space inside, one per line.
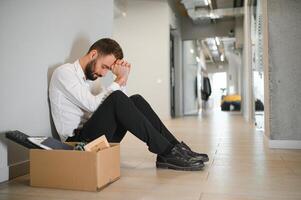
(79,70)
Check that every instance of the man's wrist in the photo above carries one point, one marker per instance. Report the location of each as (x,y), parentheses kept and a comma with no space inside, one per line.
(114,86)
(119,81)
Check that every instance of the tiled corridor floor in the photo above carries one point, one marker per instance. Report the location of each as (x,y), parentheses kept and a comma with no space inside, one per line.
(241,167)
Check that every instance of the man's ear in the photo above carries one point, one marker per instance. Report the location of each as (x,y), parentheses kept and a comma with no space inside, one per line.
(93,54)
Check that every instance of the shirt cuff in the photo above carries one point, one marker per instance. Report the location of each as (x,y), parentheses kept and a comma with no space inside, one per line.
(114,86)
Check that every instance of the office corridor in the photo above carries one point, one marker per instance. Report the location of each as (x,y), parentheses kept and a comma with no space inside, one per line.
(241,167)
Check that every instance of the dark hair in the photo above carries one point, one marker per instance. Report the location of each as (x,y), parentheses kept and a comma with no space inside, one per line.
(107,46)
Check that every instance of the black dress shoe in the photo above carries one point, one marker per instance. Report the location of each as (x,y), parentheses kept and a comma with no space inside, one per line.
(177,159)
(197,156)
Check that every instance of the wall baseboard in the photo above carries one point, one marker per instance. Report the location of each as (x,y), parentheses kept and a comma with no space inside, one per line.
(192,113)
(282,144)
(285,144)
(19,169)
(10,172)
(4,173)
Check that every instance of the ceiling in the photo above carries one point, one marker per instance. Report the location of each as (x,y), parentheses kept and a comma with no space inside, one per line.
(211,12)
(208,11)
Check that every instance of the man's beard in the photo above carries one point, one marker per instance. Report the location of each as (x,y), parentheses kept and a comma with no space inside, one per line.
(89,71)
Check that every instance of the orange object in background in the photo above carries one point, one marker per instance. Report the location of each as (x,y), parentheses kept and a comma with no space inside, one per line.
(232,98)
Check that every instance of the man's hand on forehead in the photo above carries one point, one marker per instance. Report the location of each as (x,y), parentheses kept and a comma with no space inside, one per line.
(121,68)
(123,63)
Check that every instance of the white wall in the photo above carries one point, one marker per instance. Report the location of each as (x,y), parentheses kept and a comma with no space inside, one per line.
(239,32)
(178,61)
(284,24)
(144,37)
(247,98)
(175,25)
(234,65)
(37,36)
(190,72)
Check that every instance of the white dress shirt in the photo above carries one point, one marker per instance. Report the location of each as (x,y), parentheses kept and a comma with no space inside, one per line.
(71,100)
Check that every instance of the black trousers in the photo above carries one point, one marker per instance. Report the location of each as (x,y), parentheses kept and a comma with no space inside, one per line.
(119,114)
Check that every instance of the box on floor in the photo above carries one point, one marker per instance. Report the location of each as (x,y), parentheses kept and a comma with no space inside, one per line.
(76,170)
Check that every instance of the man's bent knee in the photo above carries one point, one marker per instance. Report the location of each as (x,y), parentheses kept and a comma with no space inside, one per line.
(136,97)
(117,93)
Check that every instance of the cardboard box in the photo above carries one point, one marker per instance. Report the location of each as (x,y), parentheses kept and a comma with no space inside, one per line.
(76,170)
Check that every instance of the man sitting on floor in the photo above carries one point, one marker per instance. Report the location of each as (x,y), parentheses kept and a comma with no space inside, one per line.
(81,116)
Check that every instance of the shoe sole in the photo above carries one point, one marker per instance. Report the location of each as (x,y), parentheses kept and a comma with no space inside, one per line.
(175,167)
(201,159)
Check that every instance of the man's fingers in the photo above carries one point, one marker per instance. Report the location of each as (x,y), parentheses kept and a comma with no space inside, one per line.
(118,62)
(126,64)
(112,67)
(123,63)
(115,69)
